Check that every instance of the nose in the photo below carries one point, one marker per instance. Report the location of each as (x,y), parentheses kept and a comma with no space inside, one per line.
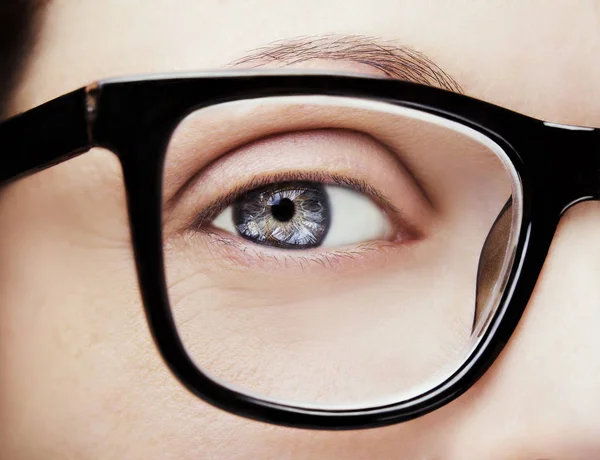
(541,398)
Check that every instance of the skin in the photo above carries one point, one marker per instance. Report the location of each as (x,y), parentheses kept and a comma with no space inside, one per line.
(79,375)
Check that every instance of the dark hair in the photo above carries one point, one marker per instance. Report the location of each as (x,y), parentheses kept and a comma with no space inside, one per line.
(17,35)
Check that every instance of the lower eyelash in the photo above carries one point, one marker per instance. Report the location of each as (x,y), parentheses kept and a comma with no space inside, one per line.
(249,255)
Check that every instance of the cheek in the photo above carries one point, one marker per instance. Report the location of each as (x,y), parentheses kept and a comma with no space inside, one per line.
(79,374)
(69,311)
(78,364)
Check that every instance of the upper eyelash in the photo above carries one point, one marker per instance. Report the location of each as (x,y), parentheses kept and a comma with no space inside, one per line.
(211,211)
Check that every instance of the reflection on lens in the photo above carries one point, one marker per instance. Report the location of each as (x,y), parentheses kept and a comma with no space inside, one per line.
(334,252)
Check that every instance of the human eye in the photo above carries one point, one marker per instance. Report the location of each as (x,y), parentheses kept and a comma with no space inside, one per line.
(327,251)
(303,215)
(328,192)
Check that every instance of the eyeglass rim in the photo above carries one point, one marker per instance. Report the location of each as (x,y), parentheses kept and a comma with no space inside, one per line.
(119,114)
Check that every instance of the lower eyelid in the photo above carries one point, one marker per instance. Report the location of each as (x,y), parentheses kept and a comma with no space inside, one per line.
(234,253)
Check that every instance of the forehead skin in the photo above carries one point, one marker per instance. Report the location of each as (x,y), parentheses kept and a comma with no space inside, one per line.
(528,56)
(536,57)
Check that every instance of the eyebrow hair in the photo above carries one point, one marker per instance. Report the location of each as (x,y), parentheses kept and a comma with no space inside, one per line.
(395,61)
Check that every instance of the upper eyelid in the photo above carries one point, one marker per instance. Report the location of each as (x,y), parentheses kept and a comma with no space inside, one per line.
(268,126)
(398,216)
(358,184)
(206,167)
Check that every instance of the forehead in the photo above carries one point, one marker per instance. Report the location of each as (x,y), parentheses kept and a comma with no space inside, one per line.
(536,57)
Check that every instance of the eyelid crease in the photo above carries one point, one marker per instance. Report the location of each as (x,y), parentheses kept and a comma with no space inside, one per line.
(296,122)
(396,215)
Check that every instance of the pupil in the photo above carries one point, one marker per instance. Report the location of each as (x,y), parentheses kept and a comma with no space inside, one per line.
(284,210)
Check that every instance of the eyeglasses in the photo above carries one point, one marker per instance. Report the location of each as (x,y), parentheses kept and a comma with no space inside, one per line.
(321,250)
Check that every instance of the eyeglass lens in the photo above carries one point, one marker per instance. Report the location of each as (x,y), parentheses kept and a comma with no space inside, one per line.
(334,252)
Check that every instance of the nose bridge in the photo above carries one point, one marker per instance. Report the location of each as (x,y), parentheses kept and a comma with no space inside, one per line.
(574,163)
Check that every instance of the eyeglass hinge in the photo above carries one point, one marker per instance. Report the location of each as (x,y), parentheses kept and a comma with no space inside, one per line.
(92,92)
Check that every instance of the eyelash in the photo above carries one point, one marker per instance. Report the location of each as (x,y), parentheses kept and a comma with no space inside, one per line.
(213,210)
(249,255)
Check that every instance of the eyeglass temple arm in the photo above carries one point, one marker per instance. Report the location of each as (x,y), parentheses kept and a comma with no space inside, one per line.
(44,136)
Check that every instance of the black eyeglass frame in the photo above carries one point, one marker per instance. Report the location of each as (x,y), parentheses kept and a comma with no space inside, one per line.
(558,166)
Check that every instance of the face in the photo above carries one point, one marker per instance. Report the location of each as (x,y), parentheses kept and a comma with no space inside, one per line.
(80,376)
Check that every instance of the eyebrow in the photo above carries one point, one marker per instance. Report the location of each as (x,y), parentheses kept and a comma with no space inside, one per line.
(395,61)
